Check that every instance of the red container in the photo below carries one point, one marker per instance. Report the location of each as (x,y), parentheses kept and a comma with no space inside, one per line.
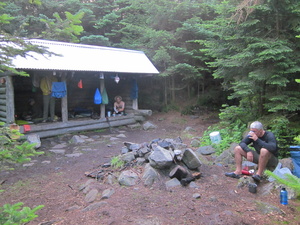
(246,172)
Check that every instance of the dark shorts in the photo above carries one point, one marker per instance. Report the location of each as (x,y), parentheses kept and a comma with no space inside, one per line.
(272,163)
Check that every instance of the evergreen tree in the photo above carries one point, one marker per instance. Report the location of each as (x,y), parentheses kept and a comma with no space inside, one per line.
(256,54)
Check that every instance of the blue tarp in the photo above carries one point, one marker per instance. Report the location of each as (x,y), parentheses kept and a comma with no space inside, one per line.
(295,155)
(134,90)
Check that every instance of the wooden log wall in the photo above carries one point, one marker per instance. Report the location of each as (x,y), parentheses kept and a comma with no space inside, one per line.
(3,102)
(7,112)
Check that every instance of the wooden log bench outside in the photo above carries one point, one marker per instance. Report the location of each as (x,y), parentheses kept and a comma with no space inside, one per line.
(82,124)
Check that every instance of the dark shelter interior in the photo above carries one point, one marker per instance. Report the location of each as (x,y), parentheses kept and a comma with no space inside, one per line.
(81,88)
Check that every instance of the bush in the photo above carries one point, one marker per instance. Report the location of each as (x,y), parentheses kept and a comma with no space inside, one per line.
(291,181)
(170,107)
(116,162)
(235,115)
(283,131)
(13,214)
(13,148)
(229,134)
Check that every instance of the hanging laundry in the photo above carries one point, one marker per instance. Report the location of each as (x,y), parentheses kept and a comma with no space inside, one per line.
(134,90)
(97,97)
(80,84)
(36,80)
(59,89)
(105,100)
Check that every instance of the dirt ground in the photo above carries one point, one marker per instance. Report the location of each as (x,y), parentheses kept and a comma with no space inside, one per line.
(53,181)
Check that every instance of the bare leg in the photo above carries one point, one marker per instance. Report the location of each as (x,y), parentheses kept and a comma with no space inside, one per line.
(264,157)
(239,153)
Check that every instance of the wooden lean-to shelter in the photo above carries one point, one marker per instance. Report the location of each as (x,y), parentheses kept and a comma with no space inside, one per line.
(83,68)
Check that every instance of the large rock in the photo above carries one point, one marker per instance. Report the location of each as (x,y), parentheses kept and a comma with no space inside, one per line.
(91,195)
(128,178)
(148,126)
(287,162)
(172,183)
(227,156)
(195,142)
(179,146)
(190,159)
(150,175)
(107,193)
(77,139)
(206,150)
(128,157)
(161,158)
(132,146)
(34,138)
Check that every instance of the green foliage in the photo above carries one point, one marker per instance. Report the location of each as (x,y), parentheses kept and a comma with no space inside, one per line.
(235,115)
(95,40)
(12,46)
(290,181)
(188,110)
(229,134)
(13,214)
(63,30)
(212,98)
(36,2)
(170,107)
(297,139)
(13,149)
(283,132)
(116,162)
(254,55)
(4,18)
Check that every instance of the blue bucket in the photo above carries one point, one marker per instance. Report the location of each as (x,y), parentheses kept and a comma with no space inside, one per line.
(295,155)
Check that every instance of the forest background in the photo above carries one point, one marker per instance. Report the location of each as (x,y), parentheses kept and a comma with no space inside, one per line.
(240,57)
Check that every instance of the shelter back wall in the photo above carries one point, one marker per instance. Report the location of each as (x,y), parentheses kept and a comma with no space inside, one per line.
(82,98)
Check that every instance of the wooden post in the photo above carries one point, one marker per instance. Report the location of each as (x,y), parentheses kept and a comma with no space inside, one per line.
(64,102)
(10,101)
(102,106)
(135,104)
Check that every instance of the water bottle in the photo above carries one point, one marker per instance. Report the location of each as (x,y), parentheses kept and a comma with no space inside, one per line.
(283,196)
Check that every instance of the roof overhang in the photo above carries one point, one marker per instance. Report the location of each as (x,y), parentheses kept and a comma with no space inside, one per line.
(79,57)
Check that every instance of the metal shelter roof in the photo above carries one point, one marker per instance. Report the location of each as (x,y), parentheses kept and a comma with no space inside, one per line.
(79,57)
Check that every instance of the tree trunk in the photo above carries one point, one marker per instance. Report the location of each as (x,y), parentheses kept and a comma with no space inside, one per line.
(173,88)
(165,92)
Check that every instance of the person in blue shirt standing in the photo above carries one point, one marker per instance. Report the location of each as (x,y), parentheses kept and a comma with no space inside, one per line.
(265,153)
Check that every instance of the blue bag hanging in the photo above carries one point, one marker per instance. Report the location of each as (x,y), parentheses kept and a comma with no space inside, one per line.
(97,97)
(59,89)
(134,90)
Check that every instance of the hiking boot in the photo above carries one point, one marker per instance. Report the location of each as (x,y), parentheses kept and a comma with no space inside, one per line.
(256,178)
(233,175)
